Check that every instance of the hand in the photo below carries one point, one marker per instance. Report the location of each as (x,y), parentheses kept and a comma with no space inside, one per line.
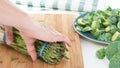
(34,30)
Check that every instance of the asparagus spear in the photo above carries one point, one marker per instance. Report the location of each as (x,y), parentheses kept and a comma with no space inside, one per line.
(53,53)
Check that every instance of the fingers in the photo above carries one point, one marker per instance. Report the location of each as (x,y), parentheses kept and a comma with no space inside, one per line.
(65,40)
(9,34)
(49,34)
(30,47)
(31,51)
(60,38)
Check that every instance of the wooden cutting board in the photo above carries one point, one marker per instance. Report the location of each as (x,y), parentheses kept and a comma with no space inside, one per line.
(63,23)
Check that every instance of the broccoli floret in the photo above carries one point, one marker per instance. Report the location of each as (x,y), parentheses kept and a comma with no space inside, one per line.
(105,37)
(115,61)
(95,25)
(80,22)
(95,33)
(118,25)
(107,29)
(87,28)
(112,19)
(112,53)
(108,11)
(79,28)
(116,36)
(114,12)
(113,29)
(106,23)
(100,53)
(112,49)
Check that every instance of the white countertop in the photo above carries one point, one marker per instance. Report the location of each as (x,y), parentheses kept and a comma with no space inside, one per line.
(90,60)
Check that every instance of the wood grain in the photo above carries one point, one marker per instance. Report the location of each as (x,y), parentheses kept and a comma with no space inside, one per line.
(63,23)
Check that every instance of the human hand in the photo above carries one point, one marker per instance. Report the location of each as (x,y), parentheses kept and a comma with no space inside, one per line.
(34,30)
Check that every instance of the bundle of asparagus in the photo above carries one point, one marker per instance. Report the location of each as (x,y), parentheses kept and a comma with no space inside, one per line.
(53,53)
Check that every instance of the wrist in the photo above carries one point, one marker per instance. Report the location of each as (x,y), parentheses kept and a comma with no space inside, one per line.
(24,22)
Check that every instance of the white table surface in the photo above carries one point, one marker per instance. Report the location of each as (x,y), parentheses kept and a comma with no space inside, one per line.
(89,48)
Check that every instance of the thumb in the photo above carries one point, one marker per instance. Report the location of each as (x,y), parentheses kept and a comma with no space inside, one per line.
(30,47)
(9,34)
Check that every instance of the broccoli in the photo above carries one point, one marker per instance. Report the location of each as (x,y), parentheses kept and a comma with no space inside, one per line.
(102,25)
(100,53)
(95,25)
(115,61)
(116,36)
(105,37)
(106,23)
(112,53)
(107,29)
(87,28)
(113,29)
(118,25)
(115,12)
(80,22)
(112,19)
(95,33)
(79,28)
(108,11)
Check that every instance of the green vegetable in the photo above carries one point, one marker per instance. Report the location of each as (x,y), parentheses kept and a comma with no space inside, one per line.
(112,49)
(108,11)
(115,61)
(95,33)
(106,23)
(102,25)
(79,28)
(105,37)
(115,11)
(116,36)
(80,22)
(87,28)
(112,19)
(100,53)
(52,54)
(112,53)
(113,29)
(107,29)
(118,24)
(95,25)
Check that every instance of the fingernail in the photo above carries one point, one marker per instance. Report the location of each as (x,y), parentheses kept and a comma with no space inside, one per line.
(69,45)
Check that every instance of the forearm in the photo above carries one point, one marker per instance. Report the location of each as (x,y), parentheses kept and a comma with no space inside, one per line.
(10,15)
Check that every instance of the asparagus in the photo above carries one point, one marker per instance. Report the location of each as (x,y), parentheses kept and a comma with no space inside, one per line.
(53,53)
